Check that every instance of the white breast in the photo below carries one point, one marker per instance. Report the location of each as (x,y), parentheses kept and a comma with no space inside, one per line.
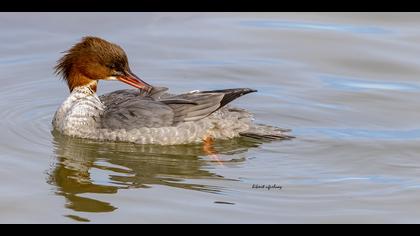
(79,114)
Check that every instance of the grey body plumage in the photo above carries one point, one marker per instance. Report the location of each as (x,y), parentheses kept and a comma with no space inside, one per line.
(158,117)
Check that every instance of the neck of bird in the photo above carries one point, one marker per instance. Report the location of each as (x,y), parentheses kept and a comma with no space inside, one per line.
(77,79)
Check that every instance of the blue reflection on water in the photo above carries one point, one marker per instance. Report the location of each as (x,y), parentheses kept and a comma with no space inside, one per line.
(315,26)
(234,61)
(373,178)
(351,84)
(351,133)
(403,183)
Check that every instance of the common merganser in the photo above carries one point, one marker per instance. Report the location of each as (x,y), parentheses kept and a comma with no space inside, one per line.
(148,114)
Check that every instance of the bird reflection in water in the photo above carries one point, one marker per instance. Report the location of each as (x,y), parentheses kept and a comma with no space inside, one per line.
(81,164)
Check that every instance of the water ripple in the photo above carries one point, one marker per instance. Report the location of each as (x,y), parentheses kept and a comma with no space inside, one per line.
(28,123)
(20,60)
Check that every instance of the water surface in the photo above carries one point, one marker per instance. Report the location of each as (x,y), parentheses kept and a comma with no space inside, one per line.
(346,83)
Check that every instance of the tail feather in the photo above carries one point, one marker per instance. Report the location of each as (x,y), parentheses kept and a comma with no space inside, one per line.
(194,106)
(231,94)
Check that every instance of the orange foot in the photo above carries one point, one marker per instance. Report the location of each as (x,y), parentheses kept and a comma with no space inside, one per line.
(209,149)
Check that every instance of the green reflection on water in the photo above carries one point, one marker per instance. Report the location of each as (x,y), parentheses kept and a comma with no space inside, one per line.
(126,165)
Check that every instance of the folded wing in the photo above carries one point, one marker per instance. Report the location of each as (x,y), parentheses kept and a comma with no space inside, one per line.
(129,109)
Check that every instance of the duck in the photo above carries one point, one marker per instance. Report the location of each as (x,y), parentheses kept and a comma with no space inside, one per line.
(145,114)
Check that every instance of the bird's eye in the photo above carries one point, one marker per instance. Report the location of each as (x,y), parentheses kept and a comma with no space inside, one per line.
(112,66)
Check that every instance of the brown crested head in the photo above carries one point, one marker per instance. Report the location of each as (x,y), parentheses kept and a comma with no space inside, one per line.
(95,59)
